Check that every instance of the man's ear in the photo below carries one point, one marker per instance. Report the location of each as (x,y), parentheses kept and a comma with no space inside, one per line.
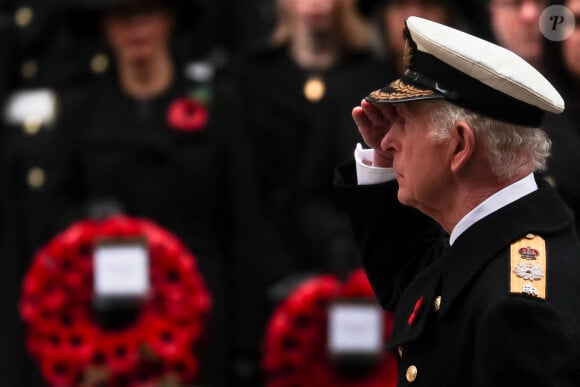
(463,145)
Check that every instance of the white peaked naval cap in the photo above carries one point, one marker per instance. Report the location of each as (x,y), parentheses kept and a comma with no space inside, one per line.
(445,63)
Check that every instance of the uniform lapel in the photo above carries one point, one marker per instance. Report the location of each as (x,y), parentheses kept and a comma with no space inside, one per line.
(414,307)
(450,274)
(483,241)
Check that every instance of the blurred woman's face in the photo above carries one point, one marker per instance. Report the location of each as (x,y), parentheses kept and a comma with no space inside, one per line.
(571,46)
(138,31)
(314,15)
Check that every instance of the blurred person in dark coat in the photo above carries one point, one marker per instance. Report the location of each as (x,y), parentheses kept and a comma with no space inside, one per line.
(563,62)
(155,141)
(515,25)
(147,139)
(563,65)
(295,90)
(40,43)
(41,61)
(38,61)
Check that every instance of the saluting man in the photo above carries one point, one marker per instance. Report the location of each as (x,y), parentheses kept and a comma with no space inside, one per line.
(477,258)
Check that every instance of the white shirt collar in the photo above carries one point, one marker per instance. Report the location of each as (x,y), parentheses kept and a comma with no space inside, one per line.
(493,203)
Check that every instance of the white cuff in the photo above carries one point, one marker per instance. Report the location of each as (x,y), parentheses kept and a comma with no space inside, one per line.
(367,174)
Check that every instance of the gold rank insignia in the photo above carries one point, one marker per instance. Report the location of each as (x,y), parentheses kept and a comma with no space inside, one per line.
(528,266)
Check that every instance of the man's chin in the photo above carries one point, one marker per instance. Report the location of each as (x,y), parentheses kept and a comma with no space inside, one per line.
(403,198)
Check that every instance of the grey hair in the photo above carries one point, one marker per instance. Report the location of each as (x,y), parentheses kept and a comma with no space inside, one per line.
(512,149)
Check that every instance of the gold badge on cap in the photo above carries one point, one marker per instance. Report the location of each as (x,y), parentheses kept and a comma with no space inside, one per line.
(399,90)
(314,88)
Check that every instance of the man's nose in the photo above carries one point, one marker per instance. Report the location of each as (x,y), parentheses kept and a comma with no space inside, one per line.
(388,142)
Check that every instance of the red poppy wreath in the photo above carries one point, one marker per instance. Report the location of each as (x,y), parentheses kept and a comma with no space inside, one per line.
(295,349)
(72,349)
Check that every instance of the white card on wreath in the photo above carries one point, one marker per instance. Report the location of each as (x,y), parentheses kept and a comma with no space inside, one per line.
(121,270)
(355,328)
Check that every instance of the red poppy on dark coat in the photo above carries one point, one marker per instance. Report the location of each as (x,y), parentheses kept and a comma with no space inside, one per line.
(187,114)
(416,310)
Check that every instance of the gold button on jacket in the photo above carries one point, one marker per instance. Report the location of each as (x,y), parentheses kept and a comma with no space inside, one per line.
(411,374)
(437,303)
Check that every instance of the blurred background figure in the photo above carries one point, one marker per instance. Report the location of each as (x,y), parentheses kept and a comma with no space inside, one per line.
(151,139)
(38,60)
(515,26)
(296,91)
(388,18)
(563,64)
(144,138)
(39,42)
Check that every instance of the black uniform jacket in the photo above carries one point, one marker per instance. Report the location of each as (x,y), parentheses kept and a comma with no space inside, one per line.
(478,333)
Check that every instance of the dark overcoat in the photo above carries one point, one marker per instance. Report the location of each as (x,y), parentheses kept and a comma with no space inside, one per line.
(297,140)
(457,321)
(134,156)
(109,152)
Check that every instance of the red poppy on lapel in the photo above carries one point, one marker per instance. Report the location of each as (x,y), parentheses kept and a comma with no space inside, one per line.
(416,310)
(188,115)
